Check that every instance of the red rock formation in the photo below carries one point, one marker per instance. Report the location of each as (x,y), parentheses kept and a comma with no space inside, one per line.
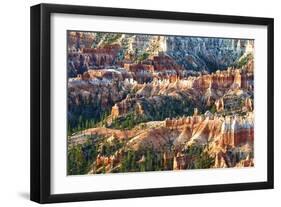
(181,161)
(115,111)
(248,104)
(104,73)
(230,131)
(167,158)
(159,63)
(184,137)
(219,105)
(103,55)
(220,161)
(237,79)
(237,131)
(133,67)
(223,80)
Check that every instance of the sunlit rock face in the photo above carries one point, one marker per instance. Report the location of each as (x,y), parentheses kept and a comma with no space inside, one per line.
(230,140)
(230,130)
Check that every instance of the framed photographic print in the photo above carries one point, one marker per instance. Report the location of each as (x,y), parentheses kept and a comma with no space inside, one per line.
(132,103)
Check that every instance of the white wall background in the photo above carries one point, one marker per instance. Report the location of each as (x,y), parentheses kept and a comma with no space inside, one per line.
(14,103)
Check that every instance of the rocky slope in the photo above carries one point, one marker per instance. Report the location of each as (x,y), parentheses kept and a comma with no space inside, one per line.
(224,135)
(207,54)
(192,54)
(220,89)
(229,141)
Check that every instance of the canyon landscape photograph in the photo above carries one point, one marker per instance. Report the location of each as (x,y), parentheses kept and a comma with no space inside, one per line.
(146,102)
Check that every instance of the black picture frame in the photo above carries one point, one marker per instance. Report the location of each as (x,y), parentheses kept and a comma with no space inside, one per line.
(41,96)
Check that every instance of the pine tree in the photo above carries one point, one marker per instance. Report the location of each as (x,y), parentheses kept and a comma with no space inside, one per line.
(148,161)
